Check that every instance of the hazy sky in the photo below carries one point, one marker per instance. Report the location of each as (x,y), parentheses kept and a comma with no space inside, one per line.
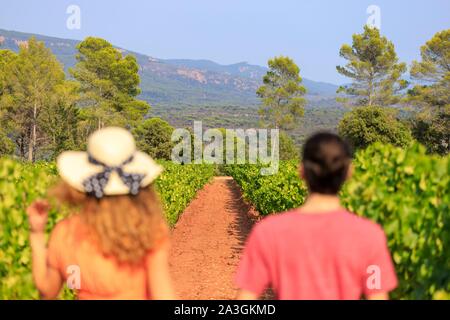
(230,31)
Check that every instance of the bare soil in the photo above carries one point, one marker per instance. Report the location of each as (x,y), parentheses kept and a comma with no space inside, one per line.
(207,242)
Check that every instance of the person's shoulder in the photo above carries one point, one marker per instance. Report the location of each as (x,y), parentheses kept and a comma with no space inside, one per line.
(63,227)
(273,221)
(367,226)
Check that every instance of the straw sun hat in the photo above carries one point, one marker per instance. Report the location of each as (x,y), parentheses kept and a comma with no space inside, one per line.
(111,165)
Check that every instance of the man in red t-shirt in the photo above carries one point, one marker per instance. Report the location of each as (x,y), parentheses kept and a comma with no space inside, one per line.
(320,250)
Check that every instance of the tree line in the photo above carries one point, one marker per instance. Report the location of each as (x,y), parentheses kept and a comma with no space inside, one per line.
(384,106)
(44,111)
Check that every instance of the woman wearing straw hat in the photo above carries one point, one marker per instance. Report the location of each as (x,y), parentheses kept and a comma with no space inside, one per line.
(116,245)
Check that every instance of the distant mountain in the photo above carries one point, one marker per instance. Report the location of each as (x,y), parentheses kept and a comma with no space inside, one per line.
(241,69)
(181,81)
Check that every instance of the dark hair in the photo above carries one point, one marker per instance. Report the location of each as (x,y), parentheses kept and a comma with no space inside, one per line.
(326,159)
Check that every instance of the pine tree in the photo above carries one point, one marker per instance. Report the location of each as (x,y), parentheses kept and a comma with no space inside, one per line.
(7,146)
(433,71)
(60,121)
(431,125)
(109,84)
(282,94)
(31,81)
(374,69)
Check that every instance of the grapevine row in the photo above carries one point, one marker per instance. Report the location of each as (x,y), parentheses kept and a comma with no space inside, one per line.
(405,190)
(21,183)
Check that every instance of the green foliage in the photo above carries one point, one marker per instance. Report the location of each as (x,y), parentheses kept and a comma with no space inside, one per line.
(432,96)
(21,183)
(322,115)
(434,69)
(433,130)
(271,193)
(44,114)
(153,136)
(282,94)
(366,125)
(373,66)
(7,57)
(61,123)
(29,88)
(288,149)
(109,83)
(404,190)
(37,105)
(179,184)
(6,145)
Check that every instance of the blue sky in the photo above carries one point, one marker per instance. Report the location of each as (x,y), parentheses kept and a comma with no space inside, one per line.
(230,31)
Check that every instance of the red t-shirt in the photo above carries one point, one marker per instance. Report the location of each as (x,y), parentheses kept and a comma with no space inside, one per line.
(335,255)
(74,254)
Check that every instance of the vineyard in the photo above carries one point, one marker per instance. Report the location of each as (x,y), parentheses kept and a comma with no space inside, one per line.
(271,193)
(22,183)
(179,185)
(404,190)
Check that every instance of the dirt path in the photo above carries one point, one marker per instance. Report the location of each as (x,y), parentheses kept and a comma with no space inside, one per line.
(207,242)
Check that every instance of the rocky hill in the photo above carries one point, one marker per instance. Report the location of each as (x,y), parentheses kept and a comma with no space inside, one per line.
(182,81)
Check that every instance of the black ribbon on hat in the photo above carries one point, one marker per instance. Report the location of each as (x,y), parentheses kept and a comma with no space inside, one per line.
(95,184)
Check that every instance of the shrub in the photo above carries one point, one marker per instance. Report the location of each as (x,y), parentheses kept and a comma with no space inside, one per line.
(366,125)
